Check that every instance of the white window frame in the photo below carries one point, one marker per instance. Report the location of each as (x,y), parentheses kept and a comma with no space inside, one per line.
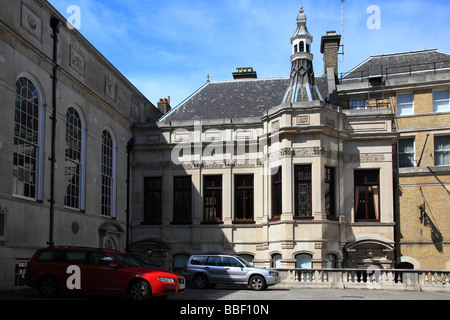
(445,103)
(39,166)
(446,149)
(358,104)
(412,153)
(111,207)
(405,108)
(81,205)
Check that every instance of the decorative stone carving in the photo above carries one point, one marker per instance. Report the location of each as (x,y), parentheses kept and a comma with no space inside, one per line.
(110,88)
(366,157)
(77,61)
(276,124)
(31,22)
(302,120)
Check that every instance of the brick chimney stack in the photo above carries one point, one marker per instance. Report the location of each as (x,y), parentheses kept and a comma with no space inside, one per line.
(329,47)
(164,105)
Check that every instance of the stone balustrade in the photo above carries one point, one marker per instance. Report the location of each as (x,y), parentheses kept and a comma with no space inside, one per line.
(371,278)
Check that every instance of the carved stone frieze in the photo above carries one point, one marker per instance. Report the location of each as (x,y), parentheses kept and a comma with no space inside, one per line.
(366,157)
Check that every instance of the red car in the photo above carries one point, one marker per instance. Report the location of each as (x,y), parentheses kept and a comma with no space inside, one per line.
(89,270)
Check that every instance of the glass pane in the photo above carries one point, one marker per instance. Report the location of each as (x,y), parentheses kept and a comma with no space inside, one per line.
(441,106)
(405,98)
(441,95)
(303,261)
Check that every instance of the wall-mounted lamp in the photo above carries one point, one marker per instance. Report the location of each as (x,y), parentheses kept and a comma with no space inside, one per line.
(422,213)
(370,253)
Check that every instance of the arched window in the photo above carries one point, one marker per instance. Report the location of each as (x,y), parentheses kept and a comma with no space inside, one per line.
(332,261)
(27,140)
(247,257)
(303,261)
(302,46)
(108,174)
(74,161)
(276,261)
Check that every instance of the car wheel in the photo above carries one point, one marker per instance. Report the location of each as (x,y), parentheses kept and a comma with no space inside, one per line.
(200,281)
(48,287)
(139,290)
(257,283)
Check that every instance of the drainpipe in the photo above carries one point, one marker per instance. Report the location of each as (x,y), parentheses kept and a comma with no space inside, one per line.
(339,176)
(130,145)
(54,24)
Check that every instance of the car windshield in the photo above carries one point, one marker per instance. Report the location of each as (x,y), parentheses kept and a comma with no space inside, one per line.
(127,260)
(244,262)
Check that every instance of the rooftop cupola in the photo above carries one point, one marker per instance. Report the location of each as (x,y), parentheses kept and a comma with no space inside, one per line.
(302,84)
(302,39)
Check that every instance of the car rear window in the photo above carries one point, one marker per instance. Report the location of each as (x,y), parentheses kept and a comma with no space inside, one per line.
(197,260)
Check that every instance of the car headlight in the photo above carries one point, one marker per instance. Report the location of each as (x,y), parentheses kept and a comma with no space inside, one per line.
(273,273)
(166,279)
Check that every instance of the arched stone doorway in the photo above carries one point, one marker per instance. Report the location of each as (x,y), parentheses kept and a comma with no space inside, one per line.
(152,253)
(111,236)
(365,253)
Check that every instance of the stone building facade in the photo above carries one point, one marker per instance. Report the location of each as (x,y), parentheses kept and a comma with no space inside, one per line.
(301,171)
(65,124)
(273,170)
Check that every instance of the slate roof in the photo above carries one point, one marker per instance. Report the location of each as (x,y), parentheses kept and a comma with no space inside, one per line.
(399,64)
(235,99)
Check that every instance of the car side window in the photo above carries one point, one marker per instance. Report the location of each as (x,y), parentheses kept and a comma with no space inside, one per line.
(99,259)
(76,257)
(231,262)
(53,256)
(214,261)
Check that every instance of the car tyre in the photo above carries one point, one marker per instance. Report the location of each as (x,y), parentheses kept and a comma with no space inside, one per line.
(139,290)
(48,287)
(257,283)
(201,281)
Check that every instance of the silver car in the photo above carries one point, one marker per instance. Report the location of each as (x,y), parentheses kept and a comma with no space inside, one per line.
(205,270)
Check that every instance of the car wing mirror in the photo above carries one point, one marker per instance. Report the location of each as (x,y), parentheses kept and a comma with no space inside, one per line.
(113,264)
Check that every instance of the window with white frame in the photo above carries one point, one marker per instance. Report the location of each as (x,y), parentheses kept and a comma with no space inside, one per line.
(358,104)
(441,101)
(406,153)
(442,150)
(74,156)
(405,104)
(108,171)
(27,140)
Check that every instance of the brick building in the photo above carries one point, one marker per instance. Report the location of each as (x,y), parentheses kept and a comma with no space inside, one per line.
(416,86)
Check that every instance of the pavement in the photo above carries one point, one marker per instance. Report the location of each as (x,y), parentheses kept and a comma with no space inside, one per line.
(236,293)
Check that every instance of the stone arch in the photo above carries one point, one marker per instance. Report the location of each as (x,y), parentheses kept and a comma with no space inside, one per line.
(153,253)
(111,235)
(364,253)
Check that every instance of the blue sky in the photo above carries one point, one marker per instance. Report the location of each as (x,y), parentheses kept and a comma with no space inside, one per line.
(167,48)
